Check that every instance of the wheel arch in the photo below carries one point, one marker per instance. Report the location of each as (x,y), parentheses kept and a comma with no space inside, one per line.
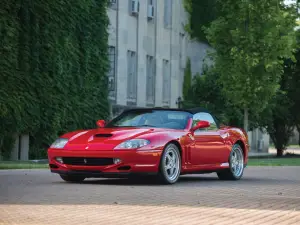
(242,144)
(175,142)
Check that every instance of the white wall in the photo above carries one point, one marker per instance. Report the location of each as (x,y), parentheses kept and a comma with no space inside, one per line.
(151,37)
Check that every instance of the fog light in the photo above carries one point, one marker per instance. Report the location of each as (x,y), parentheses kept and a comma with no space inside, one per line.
(117,161)
(59,159)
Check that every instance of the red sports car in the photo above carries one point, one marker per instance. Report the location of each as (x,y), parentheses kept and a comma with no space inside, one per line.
(152,141)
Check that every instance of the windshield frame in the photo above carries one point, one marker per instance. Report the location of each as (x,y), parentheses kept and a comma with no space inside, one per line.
(188,115)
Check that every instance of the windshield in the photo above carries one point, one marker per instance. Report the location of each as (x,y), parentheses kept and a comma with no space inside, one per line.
(152,118)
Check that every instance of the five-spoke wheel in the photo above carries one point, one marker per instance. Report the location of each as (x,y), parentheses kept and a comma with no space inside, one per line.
(236,165)
(170,165)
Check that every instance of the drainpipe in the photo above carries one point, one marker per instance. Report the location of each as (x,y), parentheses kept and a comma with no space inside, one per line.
(155,51)
(137,53)
(170,92)
(117,53)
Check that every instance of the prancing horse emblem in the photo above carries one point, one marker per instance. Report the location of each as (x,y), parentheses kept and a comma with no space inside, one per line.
(85,161)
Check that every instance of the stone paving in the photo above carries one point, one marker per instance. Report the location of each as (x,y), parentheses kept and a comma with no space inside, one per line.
(266,195)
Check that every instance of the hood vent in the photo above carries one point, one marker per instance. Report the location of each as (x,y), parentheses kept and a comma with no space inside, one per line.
(103,135)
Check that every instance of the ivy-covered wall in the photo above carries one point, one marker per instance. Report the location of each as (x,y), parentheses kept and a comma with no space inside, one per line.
(53,66)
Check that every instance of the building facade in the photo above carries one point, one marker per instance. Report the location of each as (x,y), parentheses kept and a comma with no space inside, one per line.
(147,52)
(148,49)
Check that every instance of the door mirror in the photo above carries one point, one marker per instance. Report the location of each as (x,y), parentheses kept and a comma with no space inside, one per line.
(101,123)
(201,124)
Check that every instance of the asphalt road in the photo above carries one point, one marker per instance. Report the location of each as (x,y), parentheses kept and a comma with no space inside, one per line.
(265,195)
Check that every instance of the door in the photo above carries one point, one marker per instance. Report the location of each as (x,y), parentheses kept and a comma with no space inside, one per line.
(209,145)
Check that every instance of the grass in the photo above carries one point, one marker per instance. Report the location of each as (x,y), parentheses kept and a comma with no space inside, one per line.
(284,161)
(5,165)
(289,160)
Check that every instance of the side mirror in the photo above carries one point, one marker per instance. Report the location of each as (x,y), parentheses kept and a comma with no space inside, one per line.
(201,124)
(100,123)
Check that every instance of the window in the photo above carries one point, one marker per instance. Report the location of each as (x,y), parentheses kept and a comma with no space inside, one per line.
(134,7)
(150,82)
(207,117)
(167,13)
(166,83)
(131,77)
(150,10)
(112,71)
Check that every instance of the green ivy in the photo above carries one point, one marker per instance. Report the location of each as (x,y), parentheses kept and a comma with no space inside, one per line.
(53,69)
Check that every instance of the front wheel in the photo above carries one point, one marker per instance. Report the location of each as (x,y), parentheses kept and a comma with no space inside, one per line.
(236,165)
(72,178)
(170,164)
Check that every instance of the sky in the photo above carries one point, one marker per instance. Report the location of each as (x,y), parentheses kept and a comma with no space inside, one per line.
(289,1)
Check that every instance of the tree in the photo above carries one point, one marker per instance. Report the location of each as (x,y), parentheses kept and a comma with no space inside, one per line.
(201,13)
(251,39)
(277,117)
(293,69)
(282,114)
(205,93)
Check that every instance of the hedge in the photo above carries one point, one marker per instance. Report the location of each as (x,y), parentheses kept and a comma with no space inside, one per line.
(53,69)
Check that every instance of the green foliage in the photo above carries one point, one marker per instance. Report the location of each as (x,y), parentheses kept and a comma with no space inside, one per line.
(293,69)
(187,80)
(201,13)
(277,118)
(53,73)
(205,93)
(251,39)
(283,112)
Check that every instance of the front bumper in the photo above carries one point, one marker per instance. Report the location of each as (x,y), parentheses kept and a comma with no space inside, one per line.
(132,162)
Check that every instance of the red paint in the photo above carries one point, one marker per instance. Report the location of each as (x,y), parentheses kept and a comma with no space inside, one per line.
(201,151)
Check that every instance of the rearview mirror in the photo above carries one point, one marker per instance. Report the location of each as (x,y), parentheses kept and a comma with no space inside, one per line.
(200,124)
(101,123)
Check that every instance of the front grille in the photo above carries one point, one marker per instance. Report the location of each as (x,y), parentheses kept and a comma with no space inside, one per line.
(81,161)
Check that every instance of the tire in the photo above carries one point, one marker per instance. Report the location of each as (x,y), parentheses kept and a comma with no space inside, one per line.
(236,165)
(170,165)
(72,178)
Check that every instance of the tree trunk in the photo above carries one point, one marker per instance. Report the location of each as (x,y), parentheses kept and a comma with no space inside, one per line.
(279,152)
(246,119)
(298,129)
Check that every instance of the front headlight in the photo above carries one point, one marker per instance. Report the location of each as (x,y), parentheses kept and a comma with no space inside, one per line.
(59,143)
(132,144)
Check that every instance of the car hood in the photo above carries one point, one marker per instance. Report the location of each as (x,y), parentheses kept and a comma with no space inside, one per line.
(103,138)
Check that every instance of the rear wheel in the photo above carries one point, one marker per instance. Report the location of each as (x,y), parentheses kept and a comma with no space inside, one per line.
(236,165)
(72,178)
(170,164)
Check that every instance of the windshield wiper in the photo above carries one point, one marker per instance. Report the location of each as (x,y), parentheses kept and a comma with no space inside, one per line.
(145,125)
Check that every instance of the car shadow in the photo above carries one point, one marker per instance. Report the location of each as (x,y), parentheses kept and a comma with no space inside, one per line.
(146,181)
(184,180)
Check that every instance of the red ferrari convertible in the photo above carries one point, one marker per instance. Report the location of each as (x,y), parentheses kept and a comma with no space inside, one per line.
(152,141)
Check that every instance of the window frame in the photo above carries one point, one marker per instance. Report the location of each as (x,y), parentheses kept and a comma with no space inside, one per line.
(213,119)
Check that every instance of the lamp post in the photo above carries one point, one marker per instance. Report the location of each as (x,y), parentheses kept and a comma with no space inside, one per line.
(178,102)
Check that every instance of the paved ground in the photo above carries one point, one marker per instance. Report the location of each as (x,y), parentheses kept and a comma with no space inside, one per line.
(266,195)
